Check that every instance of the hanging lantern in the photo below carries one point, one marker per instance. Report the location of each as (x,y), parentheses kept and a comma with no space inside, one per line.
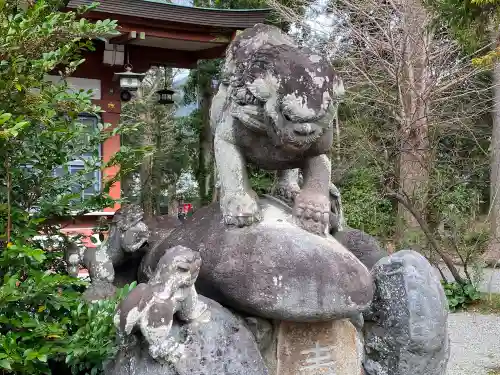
(129,80)
(165,96)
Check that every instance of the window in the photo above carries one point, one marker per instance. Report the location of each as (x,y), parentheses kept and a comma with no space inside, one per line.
(79,164)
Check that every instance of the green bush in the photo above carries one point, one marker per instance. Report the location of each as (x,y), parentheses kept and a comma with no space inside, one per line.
(93,343)
(365,207)
(43,322)
(459,296)
(43,319)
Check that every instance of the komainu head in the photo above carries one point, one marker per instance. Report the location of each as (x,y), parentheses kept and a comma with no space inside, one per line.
(128,230)
(289,91)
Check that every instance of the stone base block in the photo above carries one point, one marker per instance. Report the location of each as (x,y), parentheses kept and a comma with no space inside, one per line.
(327,348)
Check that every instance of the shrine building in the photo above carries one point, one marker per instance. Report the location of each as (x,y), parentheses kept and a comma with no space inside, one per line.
(151,34)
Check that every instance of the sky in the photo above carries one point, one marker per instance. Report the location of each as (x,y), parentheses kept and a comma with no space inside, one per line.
(316,18)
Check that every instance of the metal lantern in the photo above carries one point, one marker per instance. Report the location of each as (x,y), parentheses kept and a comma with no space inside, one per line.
(165,96)
(128,79)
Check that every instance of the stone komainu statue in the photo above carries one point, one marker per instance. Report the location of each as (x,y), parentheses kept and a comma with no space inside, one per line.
(150,307)
(274,109)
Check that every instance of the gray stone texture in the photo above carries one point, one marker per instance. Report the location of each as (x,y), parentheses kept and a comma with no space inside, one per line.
(274,109)
(365,247)
(265,333)
(214,344)
(150,308)
(160,227)
(98,290)
(324,348)
(406,327)
(272,269)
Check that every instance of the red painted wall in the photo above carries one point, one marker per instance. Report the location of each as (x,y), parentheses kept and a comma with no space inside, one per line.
(110,103)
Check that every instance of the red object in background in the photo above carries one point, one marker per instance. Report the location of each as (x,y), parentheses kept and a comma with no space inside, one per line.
(186,207)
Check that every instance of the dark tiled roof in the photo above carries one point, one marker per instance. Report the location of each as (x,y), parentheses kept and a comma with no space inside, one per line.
(220,18)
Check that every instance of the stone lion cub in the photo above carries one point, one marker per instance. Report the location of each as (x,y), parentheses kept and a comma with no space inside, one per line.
(150,308)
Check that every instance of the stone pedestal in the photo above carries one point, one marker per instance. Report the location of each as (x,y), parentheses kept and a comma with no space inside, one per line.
(330,348)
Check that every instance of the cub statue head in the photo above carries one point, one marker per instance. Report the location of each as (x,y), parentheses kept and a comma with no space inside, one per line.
(127,234)
(288,91)
(128,231)
(178,268)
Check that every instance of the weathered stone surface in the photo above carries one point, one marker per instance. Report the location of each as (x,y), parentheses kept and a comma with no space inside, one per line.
(160,227)
(272,269)
(98,290)
(262,329)
(406,328)
(274,109)
(328,348)
(150,308)
(365,247)
(125,243)
(214,344)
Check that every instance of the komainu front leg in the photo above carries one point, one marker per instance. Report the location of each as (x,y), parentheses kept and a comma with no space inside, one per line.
(191,308)
(312,205)
(288,185)
(238,201)
(155,325)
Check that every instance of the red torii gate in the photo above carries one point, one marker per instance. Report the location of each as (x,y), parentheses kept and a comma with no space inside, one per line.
(173,35)
(151,34)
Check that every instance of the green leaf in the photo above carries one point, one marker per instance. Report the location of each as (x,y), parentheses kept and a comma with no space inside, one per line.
(4,117)
(5,364)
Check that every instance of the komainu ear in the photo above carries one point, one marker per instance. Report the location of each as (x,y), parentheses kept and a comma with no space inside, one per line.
(326,121)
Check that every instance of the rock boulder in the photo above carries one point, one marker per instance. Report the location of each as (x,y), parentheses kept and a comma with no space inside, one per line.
(217,343)
(406,329)
(272,269)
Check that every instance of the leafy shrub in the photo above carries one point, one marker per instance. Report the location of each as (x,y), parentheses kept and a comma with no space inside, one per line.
(35,310)
(43,319)
(262,181)
(365,207)
(93,343)
(459,296)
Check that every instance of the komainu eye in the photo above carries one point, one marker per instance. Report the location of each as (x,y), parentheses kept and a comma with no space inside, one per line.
(183,266)
(287,117)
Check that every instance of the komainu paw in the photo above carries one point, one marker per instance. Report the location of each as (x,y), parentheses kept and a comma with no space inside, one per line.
(287,192)
(312,211)
(241,209)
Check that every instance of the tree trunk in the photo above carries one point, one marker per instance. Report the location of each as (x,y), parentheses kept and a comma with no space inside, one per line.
(127,185)
(173,203)
(146,168)
(492,255)
(413,170)
(216,192)
(204,174)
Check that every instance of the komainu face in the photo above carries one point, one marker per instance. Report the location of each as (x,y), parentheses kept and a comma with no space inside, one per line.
(128,228)
(290,93)
(180,265)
